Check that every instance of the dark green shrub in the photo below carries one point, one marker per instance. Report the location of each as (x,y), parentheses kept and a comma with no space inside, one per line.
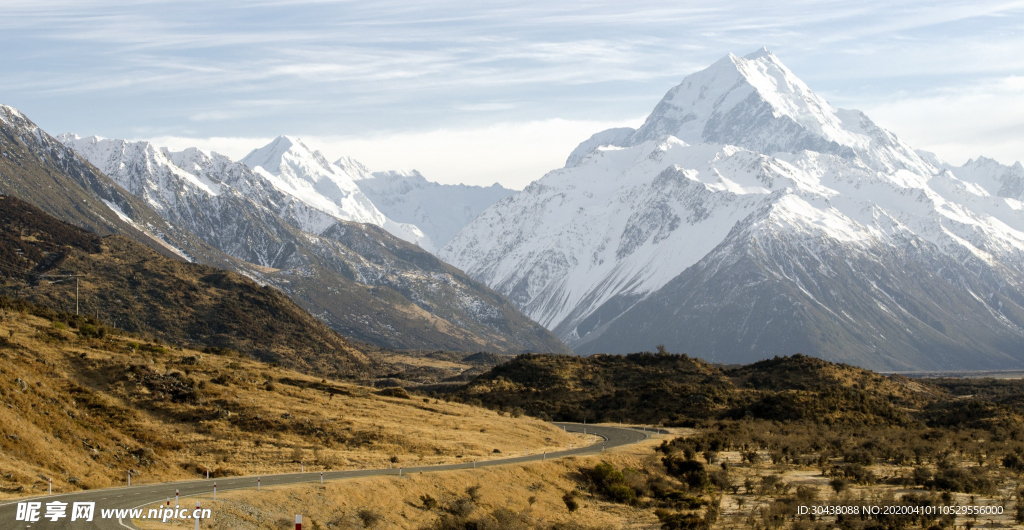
(691,472)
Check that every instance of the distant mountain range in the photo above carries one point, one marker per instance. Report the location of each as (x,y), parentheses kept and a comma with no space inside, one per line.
(292,221)
(747,218)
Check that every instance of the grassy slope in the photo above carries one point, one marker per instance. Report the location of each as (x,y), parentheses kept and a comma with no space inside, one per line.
(399,503)
(86,410)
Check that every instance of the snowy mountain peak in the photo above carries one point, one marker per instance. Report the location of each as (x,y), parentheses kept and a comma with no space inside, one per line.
(761,52)
(353,168)
(743,179)
(9,114)
(286,154)
(757,103)
(295,169)
(754,102)
(141,168)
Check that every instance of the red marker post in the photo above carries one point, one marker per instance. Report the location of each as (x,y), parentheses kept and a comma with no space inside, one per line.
(257,483)
(298,522)
(175,498)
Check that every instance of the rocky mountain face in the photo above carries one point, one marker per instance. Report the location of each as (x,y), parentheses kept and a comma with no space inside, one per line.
(357,278)
(183,303)
(305,175)
(748,218)
(38,168)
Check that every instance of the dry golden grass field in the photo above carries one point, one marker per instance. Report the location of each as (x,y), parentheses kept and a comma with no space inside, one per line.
(532,495)
(508,497)
(84,409)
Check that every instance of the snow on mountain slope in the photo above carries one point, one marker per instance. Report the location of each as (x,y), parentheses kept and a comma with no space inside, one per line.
(743,146)
(617,136)
(303,173)
(439,210)
(358,278)
(205,199)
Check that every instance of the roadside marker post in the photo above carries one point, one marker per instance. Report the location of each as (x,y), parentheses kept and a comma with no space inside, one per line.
(257,483)
(298,522)
(302,467)
(175,498)
(197,513)
(214,491)
(207,473)
(49,487)
(399,470)
(321,477)
(129,477)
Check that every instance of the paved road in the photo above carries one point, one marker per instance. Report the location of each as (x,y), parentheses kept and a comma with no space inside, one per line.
(148,494)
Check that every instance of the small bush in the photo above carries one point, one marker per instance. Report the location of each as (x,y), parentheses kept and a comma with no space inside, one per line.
(370,518)
(395,392)
(570,501)
(691,472)
(963,480)
(90,331)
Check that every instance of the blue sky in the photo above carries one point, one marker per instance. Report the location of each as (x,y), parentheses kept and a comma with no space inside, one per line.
(480,92)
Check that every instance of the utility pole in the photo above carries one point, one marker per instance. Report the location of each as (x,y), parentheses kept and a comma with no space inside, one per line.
(64,277)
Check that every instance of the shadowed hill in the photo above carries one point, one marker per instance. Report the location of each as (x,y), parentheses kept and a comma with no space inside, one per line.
(680,390)
(138,290)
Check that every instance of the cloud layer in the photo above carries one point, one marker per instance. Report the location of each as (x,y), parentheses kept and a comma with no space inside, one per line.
(394,73)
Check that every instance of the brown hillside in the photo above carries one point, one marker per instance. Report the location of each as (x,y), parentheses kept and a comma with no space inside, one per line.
(136,289)
(84,410)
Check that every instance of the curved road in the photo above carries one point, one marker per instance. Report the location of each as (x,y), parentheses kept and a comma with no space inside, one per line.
(148,494)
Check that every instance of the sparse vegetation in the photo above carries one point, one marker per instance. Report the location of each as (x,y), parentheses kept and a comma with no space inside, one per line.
(84,409)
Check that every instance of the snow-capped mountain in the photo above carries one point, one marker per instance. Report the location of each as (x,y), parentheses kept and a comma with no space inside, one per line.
(305,174)
(439,210)
(358,278)
(747,218)
(222,202)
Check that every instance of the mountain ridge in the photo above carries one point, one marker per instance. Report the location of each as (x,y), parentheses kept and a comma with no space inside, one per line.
(745,145)
(360,279)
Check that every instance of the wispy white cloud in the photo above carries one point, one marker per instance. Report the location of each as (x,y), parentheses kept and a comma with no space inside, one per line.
(348,69)
(985,119)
